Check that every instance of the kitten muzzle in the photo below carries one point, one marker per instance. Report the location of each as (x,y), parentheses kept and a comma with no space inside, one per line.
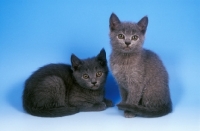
(94,87)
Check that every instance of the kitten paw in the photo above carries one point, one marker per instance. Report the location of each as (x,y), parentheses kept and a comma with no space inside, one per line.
(100,106)
(129,114)
(109,103)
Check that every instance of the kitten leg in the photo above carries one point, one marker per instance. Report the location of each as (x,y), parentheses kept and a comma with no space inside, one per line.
(99,106)
(134,94)
(123,94)
(109,103)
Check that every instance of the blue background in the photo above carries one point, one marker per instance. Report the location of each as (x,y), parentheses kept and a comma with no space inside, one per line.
(38,32)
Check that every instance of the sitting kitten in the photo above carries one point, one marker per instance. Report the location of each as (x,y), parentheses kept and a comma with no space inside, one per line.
(59,89)
(140,74)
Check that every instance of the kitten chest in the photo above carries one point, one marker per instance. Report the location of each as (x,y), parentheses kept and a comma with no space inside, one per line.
(127,71)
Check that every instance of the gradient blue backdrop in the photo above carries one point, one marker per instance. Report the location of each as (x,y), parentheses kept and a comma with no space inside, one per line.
(38,32)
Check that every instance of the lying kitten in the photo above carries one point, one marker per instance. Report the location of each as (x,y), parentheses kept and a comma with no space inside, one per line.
(140,74)
(60,89)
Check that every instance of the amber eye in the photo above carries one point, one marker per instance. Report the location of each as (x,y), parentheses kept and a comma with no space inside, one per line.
(85,76)
(120,36)
(99,74)
(135,37)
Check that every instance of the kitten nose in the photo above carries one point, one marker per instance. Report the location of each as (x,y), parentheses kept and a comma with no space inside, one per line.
(93,82)
(127,43)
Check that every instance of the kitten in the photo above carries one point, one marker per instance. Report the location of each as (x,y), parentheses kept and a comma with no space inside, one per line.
(59,89)
(140,74)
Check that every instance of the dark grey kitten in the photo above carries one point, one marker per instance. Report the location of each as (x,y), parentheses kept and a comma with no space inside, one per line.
(140,74)
(60,89)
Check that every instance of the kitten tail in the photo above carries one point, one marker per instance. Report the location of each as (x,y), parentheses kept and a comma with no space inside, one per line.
(145,111)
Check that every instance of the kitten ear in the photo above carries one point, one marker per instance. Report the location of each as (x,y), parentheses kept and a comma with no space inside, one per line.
(101,57)
(76,62)
(114,22)
(143,24)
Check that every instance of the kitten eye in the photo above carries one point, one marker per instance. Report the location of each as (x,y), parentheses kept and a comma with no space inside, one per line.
(99,74)
(135,37)
(120,36)
(85,76)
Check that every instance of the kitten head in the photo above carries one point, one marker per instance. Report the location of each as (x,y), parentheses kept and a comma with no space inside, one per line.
(90,73)
(127,37)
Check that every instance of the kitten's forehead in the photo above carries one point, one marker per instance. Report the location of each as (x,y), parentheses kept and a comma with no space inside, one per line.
(90,64)
(129,28)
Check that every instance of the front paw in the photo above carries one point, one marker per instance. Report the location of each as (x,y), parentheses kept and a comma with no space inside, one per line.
(100,106)
(109,103)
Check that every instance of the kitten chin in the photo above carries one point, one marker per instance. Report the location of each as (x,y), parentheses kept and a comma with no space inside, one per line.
(129,50)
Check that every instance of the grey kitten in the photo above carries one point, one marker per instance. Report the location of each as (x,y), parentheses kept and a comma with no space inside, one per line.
(61,89)
(140,74)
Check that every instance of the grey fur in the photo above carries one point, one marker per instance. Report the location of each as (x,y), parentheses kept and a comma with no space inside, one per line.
(140,74)
(59,89)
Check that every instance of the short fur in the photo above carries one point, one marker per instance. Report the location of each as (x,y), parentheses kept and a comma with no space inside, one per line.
(140,74)
(60,89)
